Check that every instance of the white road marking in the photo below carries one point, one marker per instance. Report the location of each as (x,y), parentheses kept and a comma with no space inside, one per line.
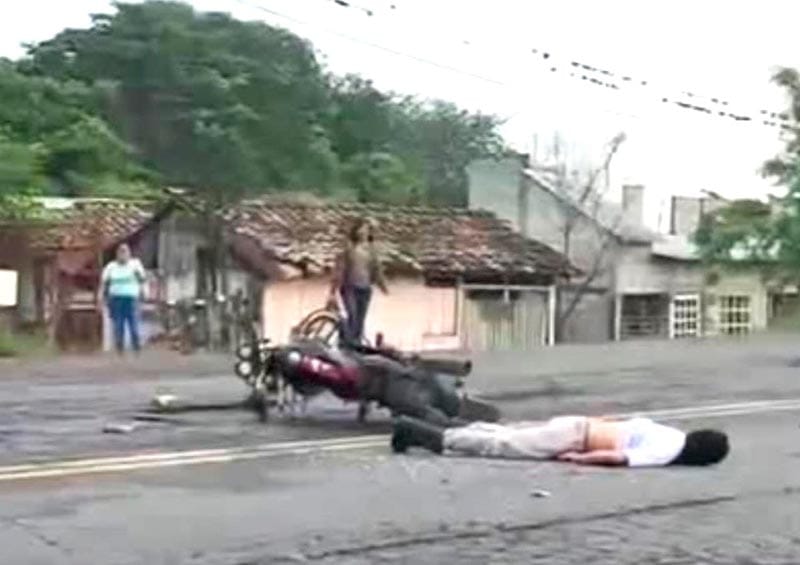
(194,454)
(66,468)
(57,472)
(688,410)
(732,412)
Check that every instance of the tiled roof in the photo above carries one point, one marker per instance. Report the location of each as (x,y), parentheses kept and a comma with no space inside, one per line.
(441,242)
(74,224)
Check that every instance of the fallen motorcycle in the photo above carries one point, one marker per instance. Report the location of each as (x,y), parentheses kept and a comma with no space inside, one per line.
(406,384)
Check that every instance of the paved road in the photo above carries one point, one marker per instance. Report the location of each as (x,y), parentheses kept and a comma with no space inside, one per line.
(55,409)
(363,505)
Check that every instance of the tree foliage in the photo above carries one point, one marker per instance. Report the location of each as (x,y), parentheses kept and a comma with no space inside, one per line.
(435,140)
(743,229)
(67,145)
(158,92)
(750,230)
(20,177)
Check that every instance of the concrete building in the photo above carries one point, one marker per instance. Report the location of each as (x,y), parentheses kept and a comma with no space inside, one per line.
(639,284)
(603,240)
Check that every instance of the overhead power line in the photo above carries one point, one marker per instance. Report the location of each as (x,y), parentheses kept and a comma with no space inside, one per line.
(574,69)
(686,99)
(361,41)
(405,55)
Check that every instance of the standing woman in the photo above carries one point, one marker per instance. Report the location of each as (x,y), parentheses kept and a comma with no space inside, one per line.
(357,269)
(122,283)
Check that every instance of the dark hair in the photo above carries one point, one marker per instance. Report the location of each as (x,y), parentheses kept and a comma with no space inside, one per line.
(352,234)
(703,447)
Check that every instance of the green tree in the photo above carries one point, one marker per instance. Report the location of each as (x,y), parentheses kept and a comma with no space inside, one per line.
(229,108)
(767,233)
(20,177)
(435,141)
(66,144)
(208,101)
(381,177)
(743,229)
(448,140)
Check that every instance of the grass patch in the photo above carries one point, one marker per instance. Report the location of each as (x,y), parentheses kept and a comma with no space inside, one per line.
(22,344)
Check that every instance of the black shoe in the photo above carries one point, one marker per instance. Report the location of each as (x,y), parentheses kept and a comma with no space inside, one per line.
(410,432)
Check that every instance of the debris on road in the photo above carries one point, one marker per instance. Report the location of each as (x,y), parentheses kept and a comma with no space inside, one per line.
(294,558)
(171,404)
(116,428)
(157,418)
(539,493)
(164,401)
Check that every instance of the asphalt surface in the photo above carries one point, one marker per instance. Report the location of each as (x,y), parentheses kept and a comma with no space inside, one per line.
(322,503)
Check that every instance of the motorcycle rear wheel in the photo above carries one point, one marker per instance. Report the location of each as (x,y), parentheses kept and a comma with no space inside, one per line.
(320,325)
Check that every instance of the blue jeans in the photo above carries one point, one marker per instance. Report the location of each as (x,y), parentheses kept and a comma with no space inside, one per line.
(124,312)
(356,303)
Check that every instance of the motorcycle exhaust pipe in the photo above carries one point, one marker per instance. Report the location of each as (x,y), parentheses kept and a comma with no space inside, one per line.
(454,367)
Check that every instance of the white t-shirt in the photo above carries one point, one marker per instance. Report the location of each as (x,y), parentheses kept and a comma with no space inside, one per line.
(648,444)
(123,279)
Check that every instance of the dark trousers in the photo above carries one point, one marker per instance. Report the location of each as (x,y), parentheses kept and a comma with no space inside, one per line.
(356,303)
(124,312)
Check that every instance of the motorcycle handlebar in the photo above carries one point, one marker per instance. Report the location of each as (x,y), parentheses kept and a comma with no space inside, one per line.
(454,367)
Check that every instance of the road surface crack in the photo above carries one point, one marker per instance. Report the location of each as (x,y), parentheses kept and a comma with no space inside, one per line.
(475,533)
(37,534)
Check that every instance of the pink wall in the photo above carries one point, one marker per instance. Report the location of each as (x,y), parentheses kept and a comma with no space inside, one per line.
(413,316)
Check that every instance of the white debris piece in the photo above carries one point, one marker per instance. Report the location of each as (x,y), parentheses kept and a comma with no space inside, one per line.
(164,401)
(115,428)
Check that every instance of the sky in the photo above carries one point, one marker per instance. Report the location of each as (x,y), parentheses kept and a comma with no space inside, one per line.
(478,54)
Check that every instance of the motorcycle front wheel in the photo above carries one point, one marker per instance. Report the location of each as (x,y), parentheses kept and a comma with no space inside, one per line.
(261,401)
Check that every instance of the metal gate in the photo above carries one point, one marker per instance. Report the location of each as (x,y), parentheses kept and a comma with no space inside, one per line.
(505,320)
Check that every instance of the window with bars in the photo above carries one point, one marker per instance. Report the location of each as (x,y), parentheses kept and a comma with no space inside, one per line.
(685,316)
(734,315)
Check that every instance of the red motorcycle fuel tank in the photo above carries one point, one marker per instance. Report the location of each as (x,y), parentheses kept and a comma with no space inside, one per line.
(340,380)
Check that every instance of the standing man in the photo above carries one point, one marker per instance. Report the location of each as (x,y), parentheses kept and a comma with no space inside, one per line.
(357,270)
(122,284)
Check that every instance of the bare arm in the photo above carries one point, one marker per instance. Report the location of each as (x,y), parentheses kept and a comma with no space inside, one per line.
(380,279)
(141,275)
(607,457)
(377,271)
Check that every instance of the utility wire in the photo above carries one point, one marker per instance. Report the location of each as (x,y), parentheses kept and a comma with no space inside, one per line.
(360,41)
(403,54)
(686,99)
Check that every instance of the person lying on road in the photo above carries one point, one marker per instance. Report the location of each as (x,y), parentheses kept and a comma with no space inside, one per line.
(634,442)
